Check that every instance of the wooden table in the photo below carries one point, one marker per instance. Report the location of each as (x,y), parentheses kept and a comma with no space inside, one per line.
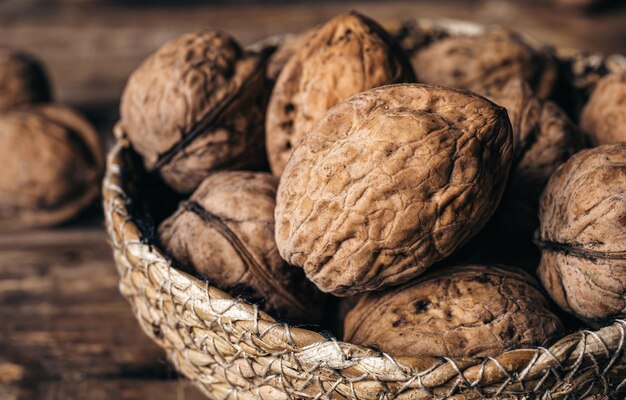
(65,332)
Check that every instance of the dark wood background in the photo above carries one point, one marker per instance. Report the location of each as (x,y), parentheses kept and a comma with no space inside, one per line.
(65,332)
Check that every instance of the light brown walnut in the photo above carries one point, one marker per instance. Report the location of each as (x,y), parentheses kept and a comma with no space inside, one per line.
(347,55)
(289,46)
(196,106)
(583,234)
(225,232)
(52,161)
(459,311)
(485,63)
(23,80)
(390,181)
(604,115)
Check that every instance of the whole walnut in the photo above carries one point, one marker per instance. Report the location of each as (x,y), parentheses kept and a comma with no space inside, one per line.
(195,106)
(544,137)
(52,161)
(390,181)
(604,116)
(23,80)
(460,311)
(226,233)
(583,234)
(485,63)
(347,55)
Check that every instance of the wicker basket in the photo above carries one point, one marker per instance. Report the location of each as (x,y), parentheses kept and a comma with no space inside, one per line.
(231,349)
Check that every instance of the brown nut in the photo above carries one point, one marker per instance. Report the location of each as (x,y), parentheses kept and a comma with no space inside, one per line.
(583,234)
(485,63)
(460,311)
(51,166)
(226,233)
(390,181)
(604,116)
(347,55)
(195,106)
(23,80)
(285,50)
(544,138)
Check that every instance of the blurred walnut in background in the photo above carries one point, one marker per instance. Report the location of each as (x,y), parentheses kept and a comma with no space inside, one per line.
(604,116)
(52,161)
(23,80)
(485,63)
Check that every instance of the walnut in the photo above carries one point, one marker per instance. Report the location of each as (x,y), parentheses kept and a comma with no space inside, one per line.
(195,106)
(226,233)
(23,80)
(485,63)
(285,50)
(390,181)
(583,234)
(604,116)
(460,311)
(51,166)
(544,137)
(347,55)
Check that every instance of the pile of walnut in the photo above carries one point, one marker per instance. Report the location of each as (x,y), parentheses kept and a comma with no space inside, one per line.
(352,162)
(52,158)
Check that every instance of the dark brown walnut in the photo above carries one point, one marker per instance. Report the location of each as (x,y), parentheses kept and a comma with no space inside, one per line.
(604,116)
(390,181)
(196,106)
(52,161)
(347,55)
(544,137)
(485,63)
(460,311)
(23,80)
(226,233)
(583,234)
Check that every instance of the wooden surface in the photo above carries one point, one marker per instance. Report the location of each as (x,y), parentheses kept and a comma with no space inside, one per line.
(65,332)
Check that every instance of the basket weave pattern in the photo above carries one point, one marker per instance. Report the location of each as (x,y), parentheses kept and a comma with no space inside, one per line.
(231,349)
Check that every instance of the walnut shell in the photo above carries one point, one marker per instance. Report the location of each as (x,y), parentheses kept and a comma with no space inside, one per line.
(461,311)
(23,80)
(485,63)
(390,181)
(285,50)
(226,233)
(583,234)
(51,166)
(347,55)
(195,106)
(604,116)
(544,138)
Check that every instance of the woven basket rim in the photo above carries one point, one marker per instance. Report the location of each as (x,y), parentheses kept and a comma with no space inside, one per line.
(172,306)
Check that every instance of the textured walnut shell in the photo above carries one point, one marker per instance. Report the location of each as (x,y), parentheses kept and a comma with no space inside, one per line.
(604,116)
(390,181)
(485,63)
(226,233)
(194,106)
(460,311)
(544,138)
(583,234)
(23,80)
(347,55)
(52,161)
